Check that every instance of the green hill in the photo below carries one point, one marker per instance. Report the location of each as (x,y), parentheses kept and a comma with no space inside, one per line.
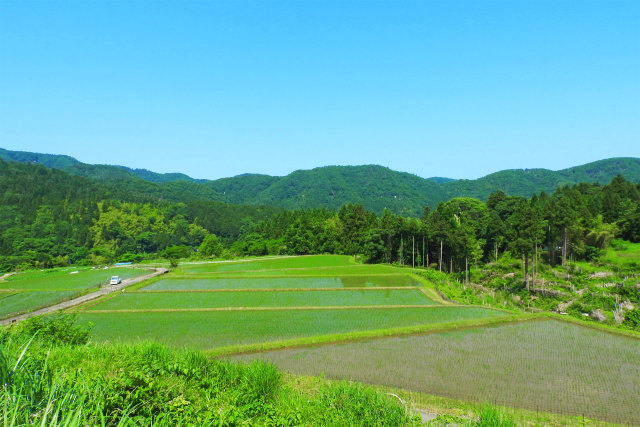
(376,187)
(71,165)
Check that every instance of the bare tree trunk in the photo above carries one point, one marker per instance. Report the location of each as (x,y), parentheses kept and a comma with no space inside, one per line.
(549,250)
(401,251)
(450,264)
(495,244)
(427,253)
(534,269)
(423,251)
(526,270)
(413,251)
(440,260)
(466,270)
(564,247)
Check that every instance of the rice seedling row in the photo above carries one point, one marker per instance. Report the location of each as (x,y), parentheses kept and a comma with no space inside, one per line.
(283,282)
(207,330)
(66,279)
(544,365)
(280,263)
(206,291)
(158,300)
(21,302)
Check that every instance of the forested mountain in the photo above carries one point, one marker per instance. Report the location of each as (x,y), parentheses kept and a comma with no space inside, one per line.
(48,217)
(575,222)
(75,167)
(375,187)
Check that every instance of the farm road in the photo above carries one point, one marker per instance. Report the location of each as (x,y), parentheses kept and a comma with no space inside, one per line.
(84,298)
(4,276)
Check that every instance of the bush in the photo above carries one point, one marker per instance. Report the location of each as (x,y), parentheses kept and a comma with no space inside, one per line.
(632,319)
(149,384)
(60,329)
(493,417)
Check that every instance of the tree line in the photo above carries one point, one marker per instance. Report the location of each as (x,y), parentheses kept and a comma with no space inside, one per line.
(575,222)
(49,218)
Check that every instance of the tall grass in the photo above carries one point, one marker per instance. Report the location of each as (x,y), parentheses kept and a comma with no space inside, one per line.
(54,378)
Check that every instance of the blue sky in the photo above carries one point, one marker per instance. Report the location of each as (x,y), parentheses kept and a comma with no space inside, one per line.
(214,89)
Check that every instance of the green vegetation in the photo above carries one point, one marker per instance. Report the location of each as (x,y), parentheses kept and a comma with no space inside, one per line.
(50,376)
(540,365)
(49,218)
(163,301)
(67,279)
(624,256)
(376,187)
(211,329)
(575,252)
(20,302)
(278,263)
(306,282)
(31,290)
(342,271)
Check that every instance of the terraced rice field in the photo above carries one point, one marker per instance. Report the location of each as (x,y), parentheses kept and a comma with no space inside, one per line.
(212,329)
(539,365)
(378,324)
(28,291)
(397,280)
(262,298)
(270,264)
(12,303)
(197,307)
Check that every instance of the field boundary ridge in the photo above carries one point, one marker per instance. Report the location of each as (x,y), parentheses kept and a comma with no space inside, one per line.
(330,339)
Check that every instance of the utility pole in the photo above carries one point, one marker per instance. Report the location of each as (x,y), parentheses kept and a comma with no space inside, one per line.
(440,260)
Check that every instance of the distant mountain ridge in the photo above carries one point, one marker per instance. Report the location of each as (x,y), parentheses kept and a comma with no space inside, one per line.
(376,187)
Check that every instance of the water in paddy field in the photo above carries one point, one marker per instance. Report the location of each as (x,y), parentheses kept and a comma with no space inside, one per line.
(282,283)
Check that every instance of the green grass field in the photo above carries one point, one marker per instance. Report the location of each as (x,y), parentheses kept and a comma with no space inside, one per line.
(63,279)
(344,270)
(207,330)
(31,290)
(539,365)
(389,330)
(623,254)
(282,282)
(16,303)
(312,261)
(161,300)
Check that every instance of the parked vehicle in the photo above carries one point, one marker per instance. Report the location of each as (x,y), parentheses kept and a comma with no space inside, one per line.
(115,280)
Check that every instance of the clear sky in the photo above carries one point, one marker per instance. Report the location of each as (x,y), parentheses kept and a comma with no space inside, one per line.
(214,89)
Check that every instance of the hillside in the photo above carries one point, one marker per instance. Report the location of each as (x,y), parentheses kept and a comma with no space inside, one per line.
(376,187)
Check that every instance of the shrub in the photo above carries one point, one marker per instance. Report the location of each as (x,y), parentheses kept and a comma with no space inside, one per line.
(60,329)
(632,319)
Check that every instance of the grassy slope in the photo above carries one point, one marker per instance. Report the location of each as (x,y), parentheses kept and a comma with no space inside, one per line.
(58,380)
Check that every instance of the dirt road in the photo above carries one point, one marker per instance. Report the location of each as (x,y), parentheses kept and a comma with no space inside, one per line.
(84,298)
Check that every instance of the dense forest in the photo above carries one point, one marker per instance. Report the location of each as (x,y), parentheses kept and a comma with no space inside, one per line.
(575,222)
(375,187)
(50,218)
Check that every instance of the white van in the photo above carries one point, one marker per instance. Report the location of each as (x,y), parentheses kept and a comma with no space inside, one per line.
(115,280)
